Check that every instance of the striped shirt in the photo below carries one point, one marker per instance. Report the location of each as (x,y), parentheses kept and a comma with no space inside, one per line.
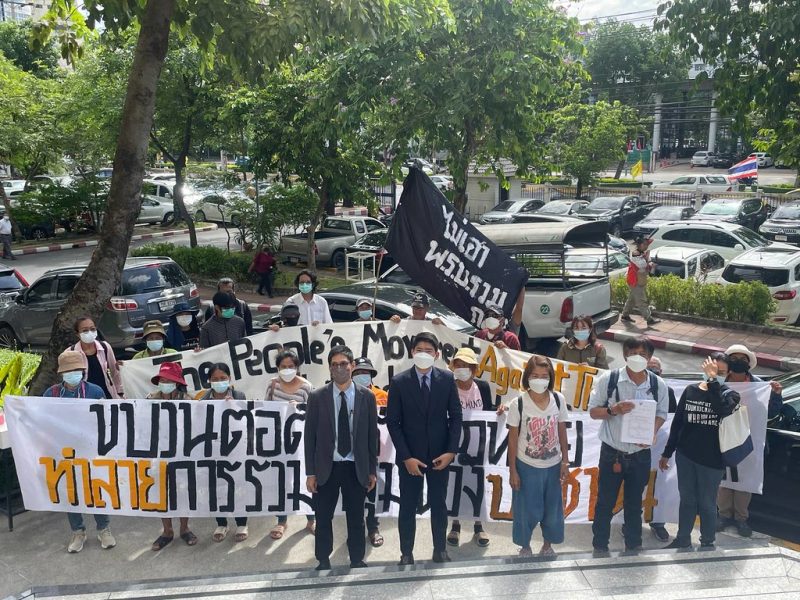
(275,391)
(220,331)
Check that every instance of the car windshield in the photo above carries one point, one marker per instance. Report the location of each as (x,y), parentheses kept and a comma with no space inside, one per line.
(770,277)
(374,240)
(751,237)
(555,208)
(787,212)
(668,213)
(721,208)
(9,281)
(606,203)
(148,278)
(716,179)
(504,206)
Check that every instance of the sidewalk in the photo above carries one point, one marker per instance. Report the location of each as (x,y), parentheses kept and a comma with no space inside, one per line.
(773,350)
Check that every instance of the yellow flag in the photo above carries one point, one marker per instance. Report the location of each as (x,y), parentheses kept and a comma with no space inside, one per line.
(636,169)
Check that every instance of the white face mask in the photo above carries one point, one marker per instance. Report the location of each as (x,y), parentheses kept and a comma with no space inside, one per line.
(423,360)
(462,373)
(184,320)
(287,375)
(491,323)
(636,363)
(87,337)
(538,386)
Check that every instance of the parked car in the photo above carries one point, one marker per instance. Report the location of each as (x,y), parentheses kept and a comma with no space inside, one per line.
(781,164)
(38,181)
(330,240)
(750,212)
(563,207)
(697,183)
(687,263)
(39,228)
(621,212)
(613,241)
(722,161)
(13,185)
(157,210)
(374,242)
(505,211)
(702,158)
(161,177)
(150,289)
(443,182)
(764,159)
(784,224)
(660,215)
(11,284)
(217,207)
(729,240)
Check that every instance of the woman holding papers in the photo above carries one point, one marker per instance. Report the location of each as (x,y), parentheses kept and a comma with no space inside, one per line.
(695,437)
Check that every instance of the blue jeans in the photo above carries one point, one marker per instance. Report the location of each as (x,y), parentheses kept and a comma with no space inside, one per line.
(698,486)
(634,473)
(76,521)
(537,502)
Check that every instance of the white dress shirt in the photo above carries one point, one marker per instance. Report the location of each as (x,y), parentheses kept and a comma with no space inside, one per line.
(315,310)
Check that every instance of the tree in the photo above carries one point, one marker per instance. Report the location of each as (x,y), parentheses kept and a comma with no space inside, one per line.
(587,138)
(250,35)
(753,49)
(15,44)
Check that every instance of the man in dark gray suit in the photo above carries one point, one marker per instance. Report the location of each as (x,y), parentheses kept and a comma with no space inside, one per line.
(423,416)
(341,447)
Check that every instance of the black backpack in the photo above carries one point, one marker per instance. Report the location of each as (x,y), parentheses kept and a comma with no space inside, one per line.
(613,379)
(519,404)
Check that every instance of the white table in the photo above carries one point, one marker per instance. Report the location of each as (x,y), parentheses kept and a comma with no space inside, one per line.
(361,258)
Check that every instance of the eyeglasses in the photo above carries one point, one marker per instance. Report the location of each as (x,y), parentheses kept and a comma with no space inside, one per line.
(340,365)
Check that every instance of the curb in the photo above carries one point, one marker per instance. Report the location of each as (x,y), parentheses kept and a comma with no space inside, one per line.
(781,363)
(89,243)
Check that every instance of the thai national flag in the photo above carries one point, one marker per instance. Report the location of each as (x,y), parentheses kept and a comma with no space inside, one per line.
(747,168)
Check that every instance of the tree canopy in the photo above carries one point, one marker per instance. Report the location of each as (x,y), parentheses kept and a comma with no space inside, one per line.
(15,44)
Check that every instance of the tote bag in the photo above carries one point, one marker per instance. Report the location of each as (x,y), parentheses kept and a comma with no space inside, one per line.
(735,442)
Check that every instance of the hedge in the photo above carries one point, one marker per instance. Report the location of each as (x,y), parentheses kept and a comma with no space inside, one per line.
(745,302)
(11,380)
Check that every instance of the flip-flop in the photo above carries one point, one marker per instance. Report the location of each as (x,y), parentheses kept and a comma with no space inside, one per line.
(277,532)
(189,538)
(376,539)
(241,534)
(162,542)
(219,533)
(453,536)
(547,552)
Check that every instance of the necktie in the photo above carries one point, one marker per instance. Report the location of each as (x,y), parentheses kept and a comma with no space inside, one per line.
(343,442)
(426,389)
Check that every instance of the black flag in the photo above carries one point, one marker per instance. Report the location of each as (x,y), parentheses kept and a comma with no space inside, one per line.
(445,254)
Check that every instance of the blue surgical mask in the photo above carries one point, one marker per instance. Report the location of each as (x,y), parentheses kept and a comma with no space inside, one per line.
(581,334)
(166,388)
(721,379)
(365,314)
(364,379)
(220,386)
(227,313)
(305,288)
(72,378)
(155,345)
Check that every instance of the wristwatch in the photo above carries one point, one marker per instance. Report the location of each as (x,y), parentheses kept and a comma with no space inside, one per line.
(608,410)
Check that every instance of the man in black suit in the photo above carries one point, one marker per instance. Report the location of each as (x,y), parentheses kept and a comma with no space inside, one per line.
(423,416)
(341,447)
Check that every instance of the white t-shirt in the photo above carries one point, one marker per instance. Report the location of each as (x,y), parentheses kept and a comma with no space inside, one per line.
(538,444)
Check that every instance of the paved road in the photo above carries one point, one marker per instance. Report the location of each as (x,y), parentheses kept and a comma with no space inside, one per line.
(769,176)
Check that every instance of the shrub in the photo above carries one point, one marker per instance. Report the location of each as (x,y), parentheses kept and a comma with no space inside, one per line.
(203,261)
(15,378)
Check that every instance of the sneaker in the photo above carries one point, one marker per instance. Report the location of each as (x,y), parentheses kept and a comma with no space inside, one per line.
(77,541)
(744,529)
(106,539)
(707,546)
(626,318)
(723,523)
(600,552)
(653,321)
(678,545)
(660,532)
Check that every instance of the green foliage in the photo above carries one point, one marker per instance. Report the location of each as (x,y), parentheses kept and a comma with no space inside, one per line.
(15,45)
(746,302)
(15,377)
(201,261)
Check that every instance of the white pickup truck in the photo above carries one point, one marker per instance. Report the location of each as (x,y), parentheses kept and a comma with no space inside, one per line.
(330,240)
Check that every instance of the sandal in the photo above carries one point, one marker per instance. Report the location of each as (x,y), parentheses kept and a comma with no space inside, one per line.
(547,552)
(189,538)
(241,534)
(376,539)
(219,533)
(452,537)
(162,542)
(525,552)
(481,539)
(311,527)
(277,532)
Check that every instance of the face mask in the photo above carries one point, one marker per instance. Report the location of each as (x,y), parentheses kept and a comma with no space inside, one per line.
(538,386)
(220,386)
(184,320)
(739,366)
(491,323)
(581,334)
(72,378)
(423,360)
(364,379)
(365,314)
(287,375)
(654,371)
(721,379)
(227,313)
(291,321)
(340,375)
(462,373)
(166,387)
(155,345)
(305,288)
(636,363)
(87,337)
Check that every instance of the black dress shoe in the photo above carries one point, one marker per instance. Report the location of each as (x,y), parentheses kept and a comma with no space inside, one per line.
(406,560)
(358,565)
(324,565)
(440,557)
(678,545)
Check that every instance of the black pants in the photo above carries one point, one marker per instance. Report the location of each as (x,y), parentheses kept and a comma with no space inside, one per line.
(635,472)
(265,283)
(372,520)
(343,477)
(410,492)
(240,521)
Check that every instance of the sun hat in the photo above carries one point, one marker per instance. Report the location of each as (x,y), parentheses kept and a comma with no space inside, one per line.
(172,371)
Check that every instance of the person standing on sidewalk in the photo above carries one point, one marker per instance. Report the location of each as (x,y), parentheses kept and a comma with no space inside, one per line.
(733,505)
(623,462)
(71,369)
(694,437)
(638,274)
(264,266)
(6,237)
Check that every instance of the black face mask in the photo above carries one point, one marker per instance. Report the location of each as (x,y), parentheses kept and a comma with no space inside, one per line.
(739,366)
(290,321)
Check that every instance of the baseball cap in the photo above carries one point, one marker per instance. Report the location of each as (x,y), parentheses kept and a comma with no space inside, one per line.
(420,300)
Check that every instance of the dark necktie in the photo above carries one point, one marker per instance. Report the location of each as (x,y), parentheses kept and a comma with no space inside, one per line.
(343,442)
(426,389)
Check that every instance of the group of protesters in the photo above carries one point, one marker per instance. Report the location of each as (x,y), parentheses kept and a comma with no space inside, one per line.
(423,408)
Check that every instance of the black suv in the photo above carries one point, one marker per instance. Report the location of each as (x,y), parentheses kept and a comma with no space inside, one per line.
(750,212)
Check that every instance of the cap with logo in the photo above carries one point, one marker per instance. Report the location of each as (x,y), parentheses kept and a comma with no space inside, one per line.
(365,364)
(153,327)
(420,300)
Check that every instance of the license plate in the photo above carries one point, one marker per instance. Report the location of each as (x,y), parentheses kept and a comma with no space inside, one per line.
(781,238)
(166,305)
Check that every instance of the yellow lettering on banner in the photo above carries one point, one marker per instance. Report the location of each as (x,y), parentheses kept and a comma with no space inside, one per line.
(583,376)
(133,485)
(571,491)
(496,482)
(147,481)
(86,481)
(55,471)
(503,377)
(110,487)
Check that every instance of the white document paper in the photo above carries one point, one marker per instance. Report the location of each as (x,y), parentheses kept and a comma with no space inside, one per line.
(638,426)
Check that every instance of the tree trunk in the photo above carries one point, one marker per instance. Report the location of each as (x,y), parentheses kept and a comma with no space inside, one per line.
(578,188)
(620,166)
(460,172)
(102,276)
(177,197)
(324,200)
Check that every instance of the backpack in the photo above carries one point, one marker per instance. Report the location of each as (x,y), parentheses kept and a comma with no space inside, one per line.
(613,379)
(519,404)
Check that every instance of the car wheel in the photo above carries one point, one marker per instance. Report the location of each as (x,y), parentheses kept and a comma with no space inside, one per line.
(8,339)
(168,219)
(616,230)
(38,233)
(199,216)
(337,260)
